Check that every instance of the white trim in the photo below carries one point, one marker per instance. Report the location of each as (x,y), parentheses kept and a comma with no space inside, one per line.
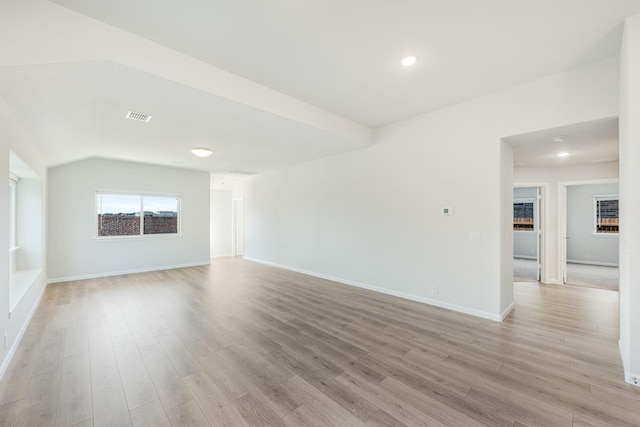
(411,297)
(604,264)
(628,375)
(123,272)
(562,218)
(227,255)
(553,282)
(507,311)
(524,257)
(16,342)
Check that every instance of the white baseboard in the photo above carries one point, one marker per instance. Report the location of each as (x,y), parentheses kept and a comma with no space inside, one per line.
(604,264)
(23,329)
(411,297)
(507,311)
(221,255)
(629,377)
(122,272)
(553,282)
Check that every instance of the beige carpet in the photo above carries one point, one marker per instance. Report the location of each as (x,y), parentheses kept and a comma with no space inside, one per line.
(591,276)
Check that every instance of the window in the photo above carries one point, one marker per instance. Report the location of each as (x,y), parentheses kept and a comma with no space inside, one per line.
(606,214)
(523,215)
(120,215)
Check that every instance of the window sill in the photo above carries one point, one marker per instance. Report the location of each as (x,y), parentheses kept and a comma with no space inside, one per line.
(19,284)
(606,234)
(139,237)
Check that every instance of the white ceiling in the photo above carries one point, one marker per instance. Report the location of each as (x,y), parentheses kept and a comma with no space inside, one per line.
(270,84)
(587,143)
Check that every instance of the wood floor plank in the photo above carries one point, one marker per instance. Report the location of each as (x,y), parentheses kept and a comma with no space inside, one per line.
(151,414)
(166,380)
(136,382)
(189,347)
(42,399)
(109,401)
(188,415)
(214,404)
(74,401)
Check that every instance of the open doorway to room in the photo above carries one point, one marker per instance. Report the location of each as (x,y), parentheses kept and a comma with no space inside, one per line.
(589,229)
(527,234)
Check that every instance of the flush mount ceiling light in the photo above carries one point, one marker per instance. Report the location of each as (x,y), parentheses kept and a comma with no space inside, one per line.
(563,154)
(408,60)
(201,152)
(559,138)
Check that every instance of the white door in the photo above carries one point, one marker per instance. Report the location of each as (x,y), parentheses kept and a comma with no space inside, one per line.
(238,227)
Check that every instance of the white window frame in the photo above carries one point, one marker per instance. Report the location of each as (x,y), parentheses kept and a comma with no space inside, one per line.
(527,200)
(141,195)
(604,197)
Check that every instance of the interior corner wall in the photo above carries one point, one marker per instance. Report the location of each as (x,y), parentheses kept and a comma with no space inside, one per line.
(373,217)
(552,177)
(220,223)
(630,198)
(12,138)
(76,253)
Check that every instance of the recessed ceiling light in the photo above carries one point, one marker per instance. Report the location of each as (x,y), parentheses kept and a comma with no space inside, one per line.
(559,138)
(201,152)
(408,60)
(563,154)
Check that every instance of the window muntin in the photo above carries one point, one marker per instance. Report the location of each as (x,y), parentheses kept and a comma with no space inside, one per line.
(121,215)
(606,215)
(523,211)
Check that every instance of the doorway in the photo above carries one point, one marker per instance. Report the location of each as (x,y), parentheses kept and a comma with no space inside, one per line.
(527,233)
(589,233)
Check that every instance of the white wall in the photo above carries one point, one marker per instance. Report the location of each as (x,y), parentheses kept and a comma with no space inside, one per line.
(552,270)
(583,245)
(630,198)
(12,138)
(220,241)
(524,242)
(74,252)
(372,217)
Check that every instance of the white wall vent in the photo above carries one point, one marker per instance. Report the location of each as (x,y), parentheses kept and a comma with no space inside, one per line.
(139,117)
(242,172)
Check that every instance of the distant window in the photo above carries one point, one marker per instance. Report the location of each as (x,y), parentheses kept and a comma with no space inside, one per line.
(137,215)
(606,214)
(523,215)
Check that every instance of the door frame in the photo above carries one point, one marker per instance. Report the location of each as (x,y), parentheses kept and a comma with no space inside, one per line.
(562,219)
(542,224)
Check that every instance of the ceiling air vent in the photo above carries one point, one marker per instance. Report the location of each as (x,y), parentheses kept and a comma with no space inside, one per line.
(242,172)
(139,117)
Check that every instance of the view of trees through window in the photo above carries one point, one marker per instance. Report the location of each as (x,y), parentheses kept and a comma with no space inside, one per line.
(120,215)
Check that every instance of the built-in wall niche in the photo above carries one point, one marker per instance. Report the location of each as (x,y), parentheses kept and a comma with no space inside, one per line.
(26,229)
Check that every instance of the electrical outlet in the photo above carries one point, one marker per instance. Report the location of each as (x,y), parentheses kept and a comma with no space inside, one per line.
(434,290)
(634,379)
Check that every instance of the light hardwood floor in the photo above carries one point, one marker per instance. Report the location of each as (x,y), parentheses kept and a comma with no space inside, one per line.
(238,343)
